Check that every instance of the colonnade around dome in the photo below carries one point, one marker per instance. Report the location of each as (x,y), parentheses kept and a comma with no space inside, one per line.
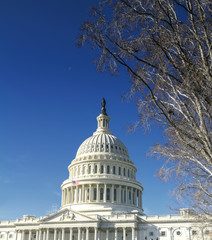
(102,193)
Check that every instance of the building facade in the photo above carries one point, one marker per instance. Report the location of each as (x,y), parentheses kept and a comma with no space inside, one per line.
(102,200)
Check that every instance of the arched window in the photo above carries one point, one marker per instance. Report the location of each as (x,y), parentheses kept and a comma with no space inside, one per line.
(101,194)
(102,169)
(95,169)
(119,170)
(94,194)
(108,169)
(124,172)
(114,169)
(108,194)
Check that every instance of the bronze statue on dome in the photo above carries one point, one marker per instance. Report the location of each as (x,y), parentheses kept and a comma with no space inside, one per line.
(103,107)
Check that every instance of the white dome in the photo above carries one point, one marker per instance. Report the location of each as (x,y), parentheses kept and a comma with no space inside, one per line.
(102,143)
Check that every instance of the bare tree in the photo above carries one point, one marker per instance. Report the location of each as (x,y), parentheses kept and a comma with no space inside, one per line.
(166,47)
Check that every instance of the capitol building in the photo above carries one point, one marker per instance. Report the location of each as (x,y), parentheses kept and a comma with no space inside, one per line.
(102,200)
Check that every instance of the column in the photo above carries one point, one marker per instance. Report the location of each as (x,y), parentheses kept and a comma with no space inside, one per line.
(107,234)
(16,235)
(30,234)
(40,234)
(22,235)
(80,194)
(97,192)
(79,233)
(95,233)
(112,194)
(7,235)
(131,202)
(55,234)
(119,196)
(37,234)
(83,193)
(105,192)
(70,234)
(47,234)
(44,234)
(87,233)
(139,197)
(124,233)
(77,194)
(116,234)
(90,192)
(86,193)
(99,234)
(63,233)
(133,233)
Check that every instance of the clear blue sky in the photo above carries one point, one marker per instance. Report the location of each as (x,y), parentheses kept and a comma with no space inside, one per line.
(50,95)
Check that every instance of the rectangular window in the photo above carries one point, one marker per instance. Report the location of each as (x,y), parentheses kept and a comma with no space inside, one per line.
(101,193)
(163,233)
(114,194)
(119,170)
(94,194)
(102,169)
(194,232)
(114,170)
(151,234)
(108,194)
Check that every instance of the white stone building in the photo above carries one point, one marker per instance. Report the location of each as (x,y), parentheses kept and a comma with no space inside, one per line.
(102,200)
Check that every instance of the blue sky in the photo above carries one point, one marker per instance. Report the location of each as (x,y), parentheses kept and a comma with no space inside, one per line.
(50,96)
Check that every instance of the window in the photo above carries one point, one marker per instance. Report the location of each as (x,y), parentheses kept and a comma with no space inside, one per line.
(130,196)
(178,233)
(119,170)
(128,172)
(94,194)
(207,232)
(102,169)
(125,196)
(101,193)
(194,232)
(114,170)
(95,169)
(89,169)
(151,234)
(108,169)
(10,236)
(108,194)
(124,172)
(163,233)
(114,194)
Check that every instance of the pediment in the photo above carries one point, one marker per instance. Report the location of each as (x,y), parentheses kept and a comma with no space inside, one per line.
(66,215)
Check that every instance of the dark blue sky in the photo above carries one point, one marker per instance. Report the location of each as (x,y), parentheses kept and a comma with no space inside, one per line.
(50,96)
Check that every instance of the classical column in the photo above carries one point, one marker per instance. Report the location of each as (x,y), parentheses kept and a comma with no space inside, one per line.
(47,234)
(116,234)
(77,194)
(87,233)
(99,234)
(40,234)
(16,235)
(70,234)
(112,194)
(7,235)
(83,193)
(95,233)
(90,192)
(22,235)
(124,233)
(86,188)
(44,234)
(63,233)
(131,201)
(80,194)
(79,233)
(30,234)
(105,192)
(97,192)
(133,233)
(107,234)
(55,234)
(119,196)
(37,234)
(139,197)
